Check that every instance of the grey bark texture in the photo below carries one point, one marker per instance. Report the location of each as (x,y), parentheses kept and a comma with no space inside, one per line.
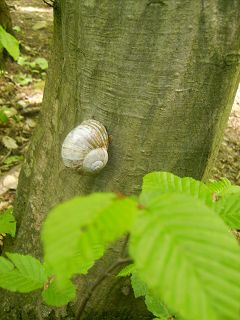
(161,76)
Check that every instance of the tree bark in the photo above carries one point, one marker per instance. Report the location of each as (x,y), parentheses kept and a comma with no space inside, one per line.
(5,18)
(6,22)
(161,76)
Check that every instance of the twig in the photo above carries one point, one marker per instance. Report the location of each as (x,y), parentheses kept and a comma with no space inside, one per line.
(125,243)
(52,4)
(6,156)
(97,283)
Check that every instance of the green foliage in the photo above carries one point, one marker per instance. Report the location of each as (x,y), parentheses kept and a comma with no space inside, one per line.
(25,274)
(17,28)
(13,160)
(55,296)
(23,61)
(179,246)
(218,186)
(186,262)
(156,183)
(222,187)
(38,63)
(23,79)
(154,305)
(10,43)
(3,117)
(140,288)
(6,113)
(228,208)
(7,223)
(127,271)
(158,308)
(92,223)
(21,273)
(41,63)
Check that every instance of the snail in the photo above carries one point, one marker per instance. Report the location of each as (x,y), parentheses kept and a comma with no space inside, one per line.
(85,147)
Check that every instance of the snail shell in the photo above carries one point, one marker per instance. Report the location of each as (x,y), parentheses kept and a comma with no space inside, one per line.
(85,147)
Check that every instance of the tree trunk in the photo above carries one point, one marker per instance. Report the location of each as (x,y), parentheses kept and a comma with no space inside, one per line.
(161,76)
(5,21)
(5,18)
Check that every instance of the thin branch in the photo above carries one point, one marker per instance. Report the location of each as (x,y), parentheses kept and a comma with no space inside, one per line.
(6,156)
(49,4)
(98,282)
(124,247)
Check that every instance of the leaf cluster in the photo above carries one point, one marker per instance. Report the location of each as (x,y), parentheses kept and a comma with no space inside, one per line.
(186,261)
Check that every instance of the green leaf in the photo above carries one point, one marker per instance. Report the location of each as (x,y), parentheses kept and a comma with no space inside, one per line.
(26,275)
(127,271)
(13,160)
(157,307)
(55,296)
(8,223)
(3,117)
(228,208)
(139,287)
(222,187)
(77,232)
(154,305)
(218,186)
(17,28)
(156,183)
(185,254)
(23,79)
(42,63)
(5,265)
(23,61)
(9,43)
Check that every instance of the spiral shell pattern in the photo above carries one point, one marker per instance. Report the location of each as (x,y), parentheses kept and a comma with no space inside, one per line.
(85,147)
